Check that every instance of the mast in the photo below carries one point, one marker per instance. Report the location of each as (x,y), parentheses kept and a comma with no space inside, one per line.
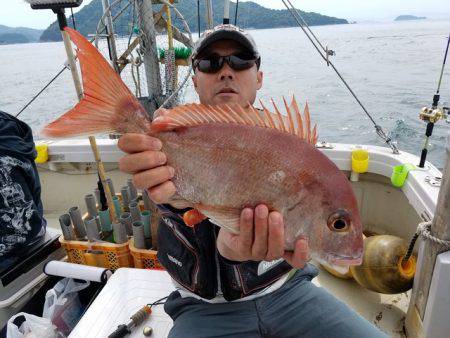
(110,32)
(148,44)
(209,15)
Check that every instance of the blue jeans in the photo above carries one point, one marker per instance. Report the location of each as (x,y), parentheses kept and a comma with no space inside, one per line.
(297,309)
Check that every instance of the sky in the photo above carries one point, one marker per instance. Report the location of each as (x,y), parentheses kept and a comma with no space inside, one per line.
(18,12)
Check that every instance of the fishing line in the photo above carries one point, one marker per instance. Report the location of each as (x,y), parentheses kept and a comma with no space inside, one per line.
(443,65)
(45,87)
(296,15)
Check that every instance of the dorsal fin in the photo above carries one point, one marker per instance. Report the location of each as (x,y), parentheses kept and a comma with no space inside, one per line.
(191,115)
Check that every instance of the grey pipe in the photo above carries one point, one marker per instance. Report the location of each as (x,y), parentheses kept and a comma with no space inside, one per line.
(90,204)
(138,235)
(97,196)
(125,220)
(135,212)
(77,221)
(119,233)
(111,186)
(125,197)
(147,201)
(91,228)
(133,191)
(66,227)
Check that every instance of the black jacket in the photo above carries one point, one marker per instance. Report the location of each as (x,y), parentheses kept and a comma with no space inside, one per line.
(190,256)
(21,216)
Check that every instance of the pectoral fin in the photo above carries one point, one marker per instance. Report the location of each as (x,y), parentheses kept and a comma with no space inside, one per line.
(227,218)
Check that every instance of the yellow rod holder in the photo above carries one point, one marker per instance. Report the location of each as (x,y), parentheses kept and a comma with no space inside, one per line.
(169,26)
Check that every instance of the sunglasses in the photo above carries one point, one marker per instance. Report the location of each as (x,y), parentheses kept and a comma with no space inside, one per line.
(213,63)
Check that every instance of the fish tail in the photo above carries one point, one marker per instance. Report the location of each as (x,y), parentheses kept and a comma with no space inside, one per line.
(107,104)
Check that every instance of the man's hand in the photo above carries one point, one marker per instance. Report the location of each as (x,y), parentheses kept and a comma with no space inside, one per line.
(261,237)
(146,162)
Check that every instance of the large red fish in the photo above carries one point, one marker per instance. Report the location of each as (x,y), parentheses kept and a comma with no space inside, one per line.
(227,158)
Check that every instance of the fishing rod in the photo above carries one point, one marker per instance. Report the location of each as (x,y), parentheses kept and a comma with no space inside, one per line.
(435,113)
(325,56)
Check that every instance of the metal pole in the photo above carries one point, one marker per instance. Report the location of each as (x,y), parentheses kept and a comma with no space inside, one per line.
(110,33)
(148,45)
(209,15)
(62,21)
(236,13)
(226,12)
(198,17)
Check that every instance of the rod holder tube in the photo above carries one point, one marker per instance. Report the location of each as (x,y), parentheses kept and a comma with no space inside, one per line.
(111,187)
(91,229)
(77,221)
(146,199)
(66,227)
(125,197)
(138,235)
(97,196)
(90,205)
(125,220)
(105,220)
(119,233)
(117,206)
(135,212)
(132,189)
(146,216)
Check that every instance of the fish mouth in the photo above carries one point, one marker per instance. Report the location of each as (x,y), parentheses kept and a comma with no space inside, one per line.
(345,261)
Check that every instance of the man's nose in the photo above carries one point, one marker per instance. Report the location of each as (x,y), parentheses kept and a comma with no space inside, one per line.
(226,73)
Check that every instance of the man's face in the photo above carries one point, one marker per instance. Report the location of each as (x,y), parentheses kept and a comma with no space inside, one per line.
(227,85)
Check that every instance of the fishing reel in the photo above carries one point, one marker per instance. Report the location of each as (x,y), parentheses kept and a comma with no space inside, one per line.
(435,114)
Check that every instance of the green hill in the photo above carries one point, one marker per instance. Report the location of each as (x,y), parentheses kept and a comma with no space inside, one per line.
(250,15)
(18,34)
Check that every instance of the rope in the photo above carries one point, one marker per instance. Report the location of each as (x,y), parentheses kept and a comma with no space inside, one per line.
(45,87)
(424,230)
(301,23)
(171,97)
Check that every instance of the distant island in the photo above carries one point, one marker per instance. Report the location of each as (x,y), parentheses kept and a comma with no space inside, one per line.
(10,35)
(250,16)
(409,17)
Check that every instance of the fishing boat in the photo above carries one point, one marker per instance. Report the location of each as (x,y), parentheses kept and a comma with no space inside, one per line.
(398,194)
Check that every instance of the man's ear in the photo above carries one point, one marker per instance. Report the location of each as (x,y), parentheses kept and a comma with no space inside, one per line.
(259,79)
(194,81)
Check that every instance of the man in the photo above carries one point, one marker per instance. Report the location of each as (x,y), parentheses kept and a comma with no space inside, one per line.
(233,285)
(21,216)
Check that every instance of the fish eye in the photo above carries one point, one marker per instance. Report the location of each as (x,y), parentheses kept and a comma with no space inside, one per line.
(339,221)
